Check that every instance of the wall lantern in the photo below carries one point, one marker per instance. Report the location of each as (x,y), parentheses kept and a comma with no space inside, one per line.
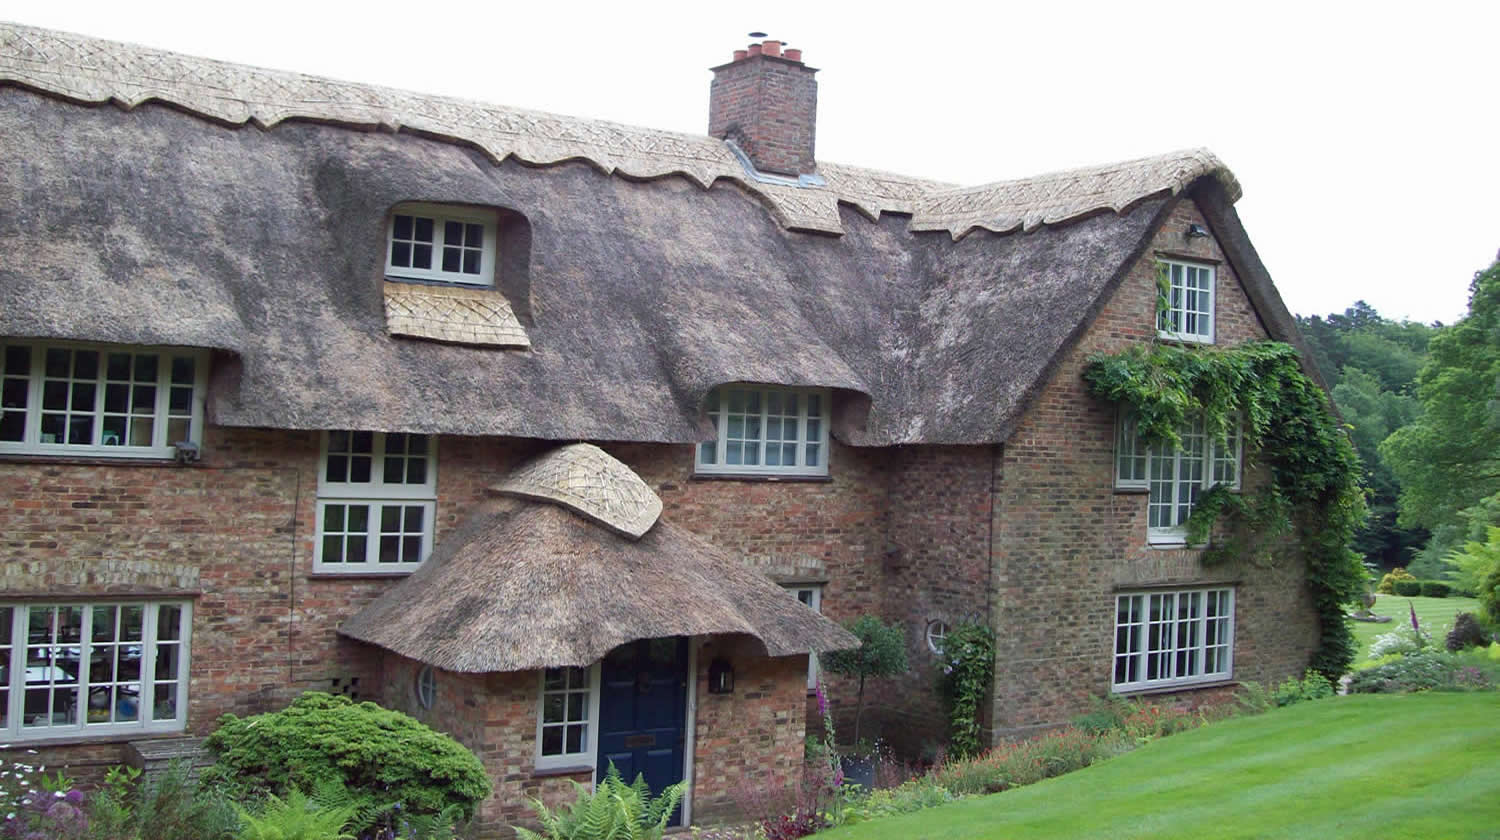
(720,677)
(1196,232)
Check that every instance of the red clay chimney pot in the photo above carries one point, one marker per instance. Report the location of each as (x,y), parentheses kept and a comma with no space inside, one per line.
(771,48)
(792,55)
(755,49)
(740,55)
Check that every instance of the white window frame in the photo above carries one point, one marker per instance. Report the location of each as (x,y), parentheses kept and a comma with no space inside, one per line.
(588,755)
(375,494)
(814,602)
(1177,647)
(720,417)
(15,730)
(936,633)
(1136,464)
(439,214)
(161,414)
(1170,321)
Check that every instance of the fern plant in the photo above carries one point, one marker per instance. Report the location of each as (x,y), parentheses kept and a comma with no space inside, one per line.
(614,811)
(295,818)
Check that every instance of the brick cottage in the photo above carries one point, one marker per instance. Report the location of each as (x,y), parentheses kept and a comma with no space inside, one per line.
(542,428)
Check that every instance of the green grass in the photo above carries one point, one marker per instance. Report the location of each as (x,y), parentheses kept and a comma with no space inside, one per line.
(1419,766)
(1434,614)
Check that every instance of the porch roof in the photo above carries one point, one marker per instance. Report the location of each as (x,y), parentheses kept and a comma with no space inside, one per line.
(528,584)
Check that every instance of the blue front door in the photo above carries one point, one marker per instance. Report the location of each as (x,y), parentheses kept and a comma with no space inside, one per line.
(643,711)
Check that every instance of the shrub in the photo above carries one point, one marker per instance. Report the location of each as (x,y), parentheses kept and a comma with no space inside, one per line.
(1312,686)
(1424,671)
(1252,698)
(45,808)
(1408,587)
(613,810)
(1388,582)
(1025,762)
(385,755)
(1489,595)
(1466,633)
(1469,566)
(1405,639)
(882,653)
(1434,589)
(914,794)
(171,805)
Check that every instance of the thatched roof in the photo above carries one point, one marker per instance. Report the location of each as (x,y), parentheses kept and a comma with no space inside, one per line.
(248,215)
(522,585)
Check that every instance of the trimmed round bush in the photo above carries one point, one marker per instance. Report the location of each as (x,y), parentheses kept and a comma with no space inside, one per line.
(1435,589)
(1408,587)
(321,738)
(1388,581)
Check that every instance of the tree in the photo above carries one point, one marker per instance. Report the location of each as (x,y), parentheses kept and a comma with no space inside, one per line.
(882,653)
(1449,459)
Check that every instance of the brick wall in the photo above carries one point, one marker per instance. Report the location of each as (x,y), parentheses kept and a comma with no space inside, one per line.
(1066,541)
(769,105)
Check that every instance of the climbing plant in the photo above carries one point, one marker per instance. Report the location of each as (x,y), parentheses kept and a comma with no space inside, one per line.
(968,657)
(1315,492)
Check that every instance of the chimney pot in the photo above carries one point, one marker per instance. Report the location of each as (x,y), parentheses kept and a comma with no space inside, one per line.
(792,55)
(740,55)
(755,49)
(771,48)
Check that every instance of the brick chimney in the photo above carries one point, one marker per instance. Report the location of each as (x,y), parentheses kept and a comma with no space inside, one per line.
(766,100)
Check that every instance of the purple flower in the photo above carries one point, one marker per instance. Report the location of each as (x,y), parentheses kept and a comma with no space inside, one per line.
(74,796)
(1414,616)
(822,699)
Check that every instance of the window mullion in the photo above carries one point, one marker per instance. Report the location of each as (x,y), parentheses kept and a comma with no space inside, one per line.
(15,700)
(146,703)
(721,423)
(163,399)
(33,433)
(765,411)
(801,430)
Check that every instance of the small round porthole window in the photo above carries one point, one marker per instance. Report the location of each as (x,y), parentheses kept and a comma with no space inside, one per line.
(426,686)
(937,631)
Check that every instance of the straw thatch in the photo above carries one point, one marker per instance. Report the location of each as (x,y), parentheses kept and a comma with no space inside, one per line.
(523,585)
(181,225)
(590,482)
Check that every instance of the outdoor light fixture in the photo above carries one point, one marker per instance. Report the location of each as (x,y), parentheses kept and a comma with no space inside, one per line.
(720,677)
(1196,231)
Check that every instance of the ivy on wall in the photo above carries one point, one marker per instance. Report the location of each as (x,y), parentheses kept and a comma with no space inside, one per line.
(1315,493)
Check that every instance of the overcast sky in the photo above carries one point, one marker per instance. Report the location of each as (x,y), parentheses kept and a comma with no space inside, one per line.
(1364,134)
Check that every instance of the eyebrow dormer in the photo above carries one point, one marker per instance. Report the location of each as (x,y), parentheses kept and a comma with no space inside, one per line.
(452,272)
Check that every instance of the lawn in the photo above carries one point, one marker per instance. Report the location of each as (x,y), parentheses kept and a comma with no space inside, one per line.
(1369,766)
(1434,614)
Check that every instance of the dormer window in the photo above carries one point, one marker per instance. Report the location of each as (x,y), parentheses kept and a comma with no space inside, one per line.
(441,244)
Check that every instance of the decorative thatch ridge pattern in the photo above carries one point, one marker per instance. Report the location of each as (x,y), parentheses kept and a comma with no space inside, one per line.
(590,482)
(96,71)
(525,585)
(449,313)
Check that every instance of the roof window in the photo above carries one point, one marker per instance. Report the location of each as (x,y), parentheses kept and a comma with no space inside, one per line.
(441,243)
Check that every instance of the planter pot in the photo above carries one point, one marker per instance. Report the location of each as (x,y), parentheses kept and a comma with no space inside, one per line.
(858,770)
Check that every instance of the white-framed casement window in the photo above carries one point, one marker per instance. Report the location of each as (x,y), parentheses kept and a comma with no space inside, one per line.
(567,718)
(377,498)
(1172,638)
(93,668)
(441,244)
(63,398)
(1175,477)
(764,430)
(1189,311)
(810,594)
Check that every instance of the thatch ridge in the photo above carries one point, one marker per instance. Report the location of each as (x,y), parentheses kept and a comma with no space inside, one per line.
(92,70)
(525,585)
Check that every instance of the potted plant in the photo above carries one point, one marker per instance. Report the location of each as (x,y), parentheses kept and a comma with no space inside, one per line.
(882,653)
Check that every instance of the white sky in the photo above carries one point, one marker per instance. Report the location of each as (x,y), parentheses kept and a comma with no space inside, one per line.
(1364,133)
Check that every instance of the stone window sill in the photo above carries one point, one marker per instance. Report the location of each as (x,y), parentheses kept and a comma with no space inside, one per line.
(576,770)
(1176,689)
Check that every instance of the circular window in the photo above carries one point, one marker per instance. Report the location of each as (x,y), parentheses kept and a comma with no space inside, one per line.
(937,631)
(426,686)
